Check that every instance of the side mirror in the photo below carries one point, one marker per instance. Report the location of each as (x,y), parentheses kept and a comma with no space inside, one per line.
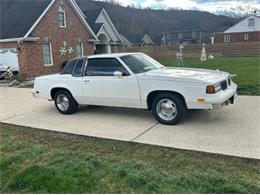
(118,74)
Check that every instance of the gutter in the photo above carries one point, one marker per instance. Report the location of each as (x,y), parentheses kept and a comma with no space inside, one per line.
(21,39)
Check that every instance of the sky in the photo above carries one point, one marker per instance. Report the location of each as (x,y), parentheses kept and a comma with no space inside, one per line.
(213,6)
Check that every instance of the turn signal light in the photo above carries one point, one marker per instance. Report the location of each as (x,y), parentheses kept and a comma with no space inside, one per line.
(211,89)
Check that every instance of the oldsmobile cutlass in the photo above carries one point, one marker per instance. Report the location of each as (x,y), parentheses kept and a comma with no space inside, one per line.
(134,80)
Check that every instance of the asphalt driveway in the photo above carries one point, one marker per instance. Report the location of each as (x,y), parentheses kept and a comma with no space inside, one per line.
(234,130)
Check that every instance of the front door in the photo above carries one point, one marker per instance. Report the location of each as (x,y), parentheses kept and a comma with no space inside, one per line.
(101,87)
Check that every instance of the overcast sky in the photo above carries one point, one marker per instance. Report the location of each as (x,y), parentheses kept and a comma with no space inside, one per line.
(213,6)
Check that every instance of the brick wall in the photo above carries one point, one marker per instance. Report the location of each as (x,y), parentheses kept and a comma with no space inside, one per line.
(237,37)
(48,30)
(192,51)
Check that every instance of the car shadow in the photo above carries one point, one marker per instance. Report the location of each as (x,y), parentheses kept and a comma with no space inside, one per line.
(192,116)
(115,111)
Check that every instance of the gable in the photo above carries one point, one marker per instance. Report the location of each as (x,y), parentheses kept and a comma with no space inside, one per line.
(108,24)
(28,14)
(17,16)
(147,39)
(244,27)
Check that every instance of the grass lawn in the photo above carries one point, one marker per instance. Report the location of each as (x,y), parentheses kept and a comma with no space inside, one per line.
(247,70)
(36,161)
(27,86)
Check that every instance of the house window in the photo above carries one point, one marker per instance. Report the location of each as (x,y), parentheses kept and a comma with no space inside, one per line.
(194,34)
(251,22)
(246,36)
(47,54)
(79,49)
(226,38)
(62,17)
(180,35)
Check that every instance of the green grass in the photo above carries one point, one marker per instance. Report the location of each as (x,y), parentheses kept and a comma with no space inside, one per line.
(30,86)
(247,70)
(35,161)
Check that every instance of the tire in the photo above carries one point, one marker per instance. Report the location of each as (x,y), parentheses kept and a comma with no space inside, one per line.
(168,108)
(70,106)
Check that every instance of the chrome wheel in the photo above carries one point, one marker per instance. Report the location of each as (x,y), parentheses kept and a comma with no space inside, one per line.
(166,109)
(63,102)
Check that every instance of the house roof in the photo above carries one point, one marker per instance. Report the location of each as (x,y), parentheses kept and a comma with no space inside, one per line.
(243,26)
(138,38)
(91,17)
(157,39)
(17,16)
(134,38)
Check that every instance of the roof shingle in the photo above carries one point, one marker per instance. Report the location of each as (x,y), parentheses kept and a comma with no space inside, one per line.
(18,16)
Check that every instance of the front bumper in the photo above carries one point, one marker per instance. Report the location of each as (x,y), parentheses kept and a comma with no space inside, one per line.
(225,103)
(223,98)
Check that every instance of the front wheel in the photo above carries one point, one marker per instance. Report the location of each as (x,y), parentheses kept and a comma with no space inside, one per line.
(65,103)
(168,108)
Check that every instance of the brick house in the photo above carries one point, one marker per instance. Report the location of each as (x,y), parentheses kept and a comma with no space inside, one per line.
(43,34)
(248,30)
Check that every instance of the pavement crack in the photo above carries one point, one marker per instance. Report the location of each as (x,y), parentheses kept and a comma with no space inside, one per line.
(18,115)
(145,132)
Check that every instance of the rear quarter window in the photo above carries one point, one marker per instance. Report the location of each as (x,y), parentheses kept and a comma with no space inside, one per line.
(69,67)
(77,71)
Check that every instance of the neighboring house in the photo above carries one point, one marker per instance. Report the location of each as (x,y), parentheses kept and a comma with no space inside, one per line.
(103,27)
(43,34)
(141,40)
(248,30)
(186,37)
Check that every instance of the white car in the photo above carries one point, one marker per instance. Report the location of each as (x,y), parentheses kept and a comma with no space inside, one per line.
(135,80)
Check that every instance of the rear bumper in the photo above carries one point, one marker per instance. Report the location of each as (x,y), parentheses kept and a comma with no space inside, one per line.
(35,93)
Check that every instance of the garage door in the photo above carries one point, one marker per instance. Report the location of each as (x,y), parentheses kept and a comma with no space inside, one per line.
(9,57)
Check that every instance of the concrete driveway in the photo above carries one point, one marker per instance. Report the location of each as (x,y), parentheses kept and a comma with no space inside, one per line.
(234,130)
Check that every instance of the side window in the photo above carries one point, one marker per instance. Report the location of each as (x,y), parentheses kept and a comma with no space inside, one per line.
(77,71)
(104,67)
(69,67)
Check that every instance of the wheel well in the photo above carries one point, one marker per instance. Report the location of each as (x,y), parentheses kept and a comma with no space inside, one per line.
(153,94)
(55,90)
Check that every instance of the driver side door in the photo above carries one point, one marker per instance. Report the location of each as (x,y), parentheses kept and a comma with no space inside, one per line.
(101,87)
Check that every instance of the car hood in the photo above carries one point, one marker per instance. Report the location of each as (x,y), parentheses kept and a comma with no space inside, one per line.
(192,74)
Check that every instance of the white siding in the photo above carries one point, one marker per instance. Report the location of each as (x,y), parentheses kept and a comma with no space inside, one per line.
(244,27)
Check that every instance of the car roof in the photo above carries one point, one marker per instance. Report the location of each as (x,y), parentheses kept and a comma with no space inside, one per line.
(111,55)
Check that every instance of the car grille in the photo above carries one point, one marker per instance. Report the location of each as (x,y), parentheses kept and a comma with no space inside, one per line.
(224,85)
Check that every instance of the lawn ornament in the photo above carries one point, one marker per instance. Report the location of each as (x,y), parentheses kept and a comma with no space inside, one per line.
(203,56)
(211,57)
(179,56)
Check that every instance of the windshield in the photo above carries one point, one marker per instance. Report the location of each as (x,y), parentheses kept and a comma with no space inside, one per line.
(139,63)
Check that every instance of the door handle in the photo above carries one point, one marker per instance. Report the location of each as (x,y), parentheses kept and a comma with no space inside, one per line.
(86,81)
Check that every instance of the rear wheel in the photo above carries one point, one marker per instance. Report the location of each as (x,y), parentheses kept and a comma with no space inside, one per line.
(168,108)
(65,103)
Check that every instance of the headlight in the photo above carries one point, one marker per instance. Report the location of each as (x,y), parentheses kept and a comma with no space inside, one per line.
(229,81)
(213,88)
